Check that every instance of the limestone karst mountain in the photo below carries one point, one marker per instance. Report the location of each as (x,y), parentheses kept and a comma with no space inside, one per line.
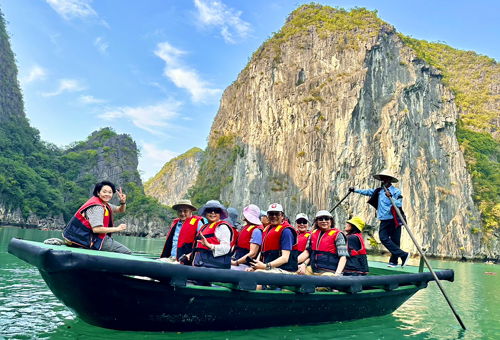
(336,96)
(172,182)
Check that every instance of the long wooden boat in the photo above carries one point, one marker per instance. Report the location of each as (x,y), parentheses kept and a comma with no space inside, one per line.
(128,292)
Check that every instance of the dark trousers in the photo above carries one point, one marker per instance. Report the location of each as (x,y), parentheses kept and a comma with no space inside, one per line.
(390,236)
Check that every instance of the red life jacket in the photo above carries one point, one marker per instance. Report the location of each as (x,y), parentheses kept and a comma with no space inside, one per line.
(302,241)
(243,240)
(361,251)
(271,246)
(357,262)
(203,256)
(187,235)
(79,232)
(324,250)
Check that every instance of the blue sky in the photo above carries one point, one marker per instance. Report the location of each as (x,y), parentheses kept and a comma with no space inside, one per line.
(156,69)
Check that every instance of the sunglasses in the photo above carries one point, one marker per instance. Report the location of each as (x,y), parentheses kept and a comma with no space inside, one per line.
(213,211)
(301,221)
(273,213)
(323,218)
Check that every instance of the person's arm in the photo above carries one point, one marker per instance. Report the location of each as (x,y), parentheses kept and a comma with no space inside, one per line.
(342,251)
(255,243)
(224,235)
(95,215)
(303,261)
(365,192)
(286,247)
(304,256)
(104,230)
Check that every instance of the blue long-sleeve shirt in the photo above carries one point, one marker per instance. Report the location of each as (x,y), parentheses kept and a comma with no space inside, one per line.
(384,203)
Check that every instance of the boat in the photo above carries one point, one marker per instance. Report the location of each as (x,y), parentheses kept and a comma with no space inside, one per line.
(139,293)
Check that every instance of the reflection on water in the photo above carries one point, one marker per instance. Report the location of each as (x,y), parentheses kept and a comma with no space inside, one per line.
(28,309)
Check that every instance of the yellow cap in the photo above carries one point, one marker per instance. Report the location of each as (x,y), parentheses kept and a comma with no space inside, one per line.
(357,222)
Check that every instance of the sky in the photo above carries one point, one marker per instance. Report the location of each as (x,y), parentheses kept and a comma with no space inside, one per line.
(156,69)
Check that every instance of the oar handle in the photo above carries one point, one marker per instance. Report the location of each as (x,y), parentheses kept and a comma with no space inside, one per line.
(342,200)
(425,258)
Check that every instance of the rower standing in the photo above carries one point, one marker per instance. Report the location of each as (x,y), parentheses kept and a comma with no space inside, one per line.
(390,225)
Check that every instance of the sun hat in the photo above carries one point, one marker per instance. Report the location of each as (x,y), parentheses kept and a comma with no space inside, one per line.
(357,222)
(275,207)
(301,215)
(385,173)
(323,213)
(181,203)
(214,204)
(252,213)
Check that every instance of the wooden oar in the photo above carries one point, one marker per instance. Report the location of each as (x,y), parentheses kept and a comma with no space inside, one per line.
(348,193)
(423,256)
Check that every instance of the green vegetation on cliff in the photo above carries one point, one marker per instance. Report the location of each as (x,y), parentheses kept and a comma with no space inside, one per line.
(39,178)
(215,169)
(472,78)
(354,27)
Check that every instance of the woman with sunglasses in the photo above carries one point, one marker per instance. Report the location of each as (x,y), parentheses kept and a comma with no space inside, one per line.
(303,234)
(327,248)
(215,240)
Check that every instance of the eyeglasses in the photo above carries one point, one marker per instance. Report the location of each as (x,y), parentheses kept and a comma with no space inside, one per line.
(323,218)
(213,211)
(301,221)
(273,213)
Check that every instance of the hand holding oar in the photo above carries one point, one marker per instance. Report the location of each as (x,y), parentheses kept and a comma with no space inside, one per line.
(423,256)
(342,200)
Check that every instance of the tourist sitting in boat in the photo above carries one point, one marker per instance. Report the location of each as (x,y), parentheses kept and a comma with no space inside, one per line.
(233,218)
(357,262)
(92,224)
(182,233)
(279,244)
(327,248)
(249,238)
(264,219)
(215,240)
(303,233)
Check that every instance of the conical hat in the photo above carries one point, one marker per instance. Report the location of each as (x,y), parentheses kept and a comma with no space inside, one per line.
(385,173)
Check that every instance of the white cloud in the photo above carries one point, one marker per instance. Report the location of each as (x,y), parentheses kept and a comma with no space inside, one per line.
(87,99)
(153,159)
(182,76)
(70,9)
(216,13)
(101,45)
(65,85)
(36,73)
(150,118)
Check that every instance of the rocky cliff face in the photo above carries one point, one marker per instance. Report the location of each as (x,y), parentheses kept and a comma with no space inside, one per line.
(112,156)
(320,111)
(175,178)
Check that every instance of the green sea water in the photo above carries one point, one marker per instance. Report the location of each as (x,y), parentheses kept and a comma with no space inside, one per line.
(29,310)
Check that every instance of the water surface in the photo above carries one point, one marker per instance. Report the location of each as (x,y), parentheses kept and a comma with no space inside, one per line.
(29,310)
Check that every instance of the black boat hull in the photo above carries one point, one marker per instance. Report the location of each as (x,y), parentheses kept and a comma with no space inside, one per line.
(126,293)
